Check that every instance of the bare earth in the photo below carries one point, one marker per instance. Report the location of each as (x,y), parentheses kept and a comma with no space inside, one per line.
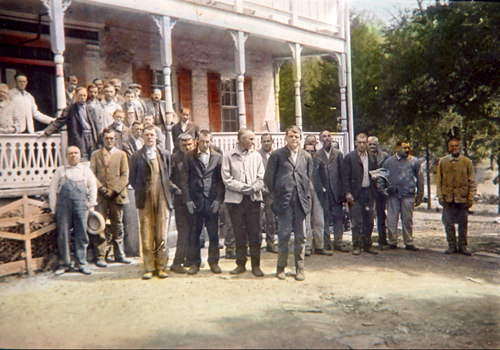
(397,299)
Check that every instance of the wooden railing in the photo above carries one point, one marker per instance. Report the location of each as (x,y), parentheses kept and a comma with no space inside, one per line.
(314,15)
(27,163)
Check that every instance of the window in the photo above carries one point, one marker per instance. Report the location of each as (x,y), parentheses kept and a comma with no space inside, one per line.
(157,80)
(229,105)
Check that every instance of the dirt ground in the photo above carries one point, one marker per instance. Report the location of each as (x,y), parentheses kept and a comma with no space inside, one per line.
(397,299)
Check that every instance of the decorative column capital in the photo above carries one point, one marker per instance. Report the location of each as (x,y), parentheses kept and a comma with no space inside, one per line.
(49,4)
(164,23)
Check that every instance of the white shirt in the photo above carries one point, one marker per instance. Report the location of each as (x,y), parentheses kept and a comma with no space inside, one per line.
(26,109)
(364,159)
(294,155)
(151,152)
(78,172)
(204,156)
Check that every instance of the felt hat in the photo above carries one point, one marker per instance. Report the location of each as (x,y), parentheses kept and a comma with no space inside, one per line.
(95,223)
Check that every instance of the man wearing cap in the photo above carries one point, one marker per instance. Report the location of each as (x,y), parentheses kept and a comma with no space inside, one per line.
(150,177)
(137,89)
(72,195)
(110,166)
(132,108)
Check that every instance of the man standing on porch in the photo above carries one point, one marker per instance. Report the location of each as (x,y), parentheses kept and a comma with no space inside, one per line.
(185,125)
(288,178)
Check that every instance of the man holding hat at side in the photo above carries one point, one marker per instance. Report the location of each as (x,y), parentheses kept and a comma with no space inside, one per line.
(72,195)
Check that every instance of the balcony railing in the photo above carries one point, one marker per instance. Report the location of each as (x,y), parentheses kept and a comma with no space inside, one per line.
(314,15)
(27,162)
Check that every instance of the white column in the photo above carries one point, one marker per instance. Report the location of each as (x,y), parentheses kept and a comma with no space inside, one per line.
(165,25)
(56,9)
(277,68)
(239,38)
(350,117)
(341,61)
(297,76)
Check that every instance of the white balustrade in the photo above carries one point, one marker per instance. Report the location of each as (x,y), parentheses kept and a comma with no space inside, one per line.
(228,140)
(27,163)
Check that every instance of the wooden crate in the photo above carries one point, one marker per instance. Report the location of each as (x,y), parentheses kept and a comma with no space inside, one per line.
(34,220)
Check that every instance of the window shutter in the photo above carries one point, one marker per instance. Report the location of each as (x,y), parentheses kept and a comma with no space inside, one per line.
(184,84)
(143,77)
(248,102)
(214,110)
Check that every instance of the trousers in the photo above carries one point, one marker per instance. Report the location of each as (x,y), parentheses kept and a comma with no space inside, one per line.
(72,212)
(245,217)
(396,208)
(270,218)
(380,208)
(182,217)
(362,211)
(206,217)
(315,224)
(455,213)
(334,214)
(114,212)
(292,218)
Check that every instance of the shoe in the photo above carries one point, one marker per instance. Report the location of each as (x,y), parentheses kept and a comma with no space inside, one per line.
(238,270)
(323,252)
(369,249)
(147,275)
(215,268)
(382,243)
(123,260)
(464,251)
(60,271)
(412,248)
(299,275)
(257,272)
(85,270)
(280,273)
(162,274)
(271,248)
(230,253)
(451,250)
(389,246)
(100,262)
(308,252)
(356,251)
(342,247)
(193,270)
(221,246)
(178,268)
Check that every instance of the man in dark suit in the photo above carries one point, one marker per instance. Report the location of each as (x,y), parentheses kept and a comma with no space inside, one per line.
(182,215)
(288,174)
(360,190)
(332,158)
(135,141)
(81,121)
(110,167)
(265,151)
(150,178)
(203,192)
(158,109)
(185,125)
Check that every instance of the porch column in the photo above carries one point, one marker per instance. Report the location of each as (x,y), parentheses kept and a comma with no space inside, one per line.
(343,89)
(239,38)
(165,25)
(56,9)
(297,76)
(277,68)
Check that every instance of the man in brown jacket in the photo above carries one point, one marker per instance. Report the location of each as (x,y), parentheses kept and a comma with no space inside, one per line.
(110,166)
(456,187)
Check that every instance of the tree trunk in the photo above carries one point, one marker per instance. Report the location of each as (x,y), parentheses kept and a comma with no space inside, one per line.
(428,171)
(498,181)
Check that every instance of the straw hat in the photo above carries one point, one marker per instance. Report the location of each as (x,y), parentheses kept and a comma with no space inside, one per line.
(95,223)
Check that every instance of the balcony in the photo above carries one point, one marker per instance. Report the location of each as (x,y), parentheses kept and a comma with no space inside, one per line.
(314,15)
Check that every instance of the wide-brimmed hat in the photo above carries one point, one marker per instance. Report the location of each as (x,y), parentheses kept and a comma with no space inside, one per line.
(95,223)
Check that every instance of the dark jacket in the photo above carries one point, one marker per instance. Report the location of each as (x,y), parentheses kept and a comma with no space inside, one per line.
(282,176)
(129,147)
(140,175)
(406,178)
(333,169)
(199,184)
(70,118)
(352,174)
(176,175)
(319,179)
(191,129)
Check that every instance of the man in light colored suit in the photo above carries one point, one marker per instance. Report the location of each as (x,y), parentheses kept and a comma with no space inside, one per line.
(288,178)
(25,108)
(265,151)
(110,166)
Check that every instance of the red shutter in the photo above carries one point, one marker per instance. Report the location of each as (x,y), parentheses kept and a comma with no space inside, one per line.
(143,77)
(214,110)
(248,102)
(184,84)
